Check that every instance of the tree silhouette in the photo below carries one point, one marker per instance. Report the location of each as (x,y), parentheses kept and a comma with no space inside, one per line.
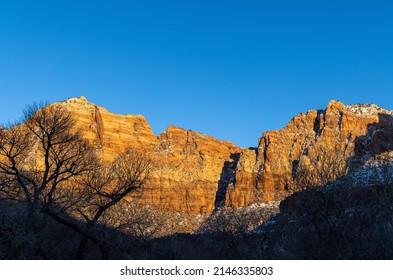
(39,157)
(46,164)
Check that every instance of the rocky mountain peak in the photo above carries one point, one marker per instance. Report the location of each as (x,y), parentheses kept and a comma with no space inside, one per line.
(110,133)
(335,106)
(78,100)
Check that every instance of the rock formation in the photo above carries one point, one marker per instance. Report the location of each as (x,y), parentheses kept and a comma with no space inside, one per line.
(197,173)
(269,172)
(108,132)
(189,167)
(188,164)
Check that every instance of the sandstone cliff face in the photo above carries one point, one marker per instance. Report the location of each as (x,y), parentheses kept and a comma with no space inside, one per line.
(188,170)
(197,173)
(110,133)
(188,165)
(269,172)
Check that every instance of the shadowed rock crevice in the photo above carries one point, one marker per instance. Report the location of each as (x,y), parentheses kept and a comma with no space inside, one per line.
(228,177)
(295,165)
(99,125)
(319,123)
(378,139)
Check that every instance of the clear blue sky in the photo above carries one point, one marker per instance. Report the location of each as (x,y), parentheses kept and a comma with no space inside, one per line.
(231,69)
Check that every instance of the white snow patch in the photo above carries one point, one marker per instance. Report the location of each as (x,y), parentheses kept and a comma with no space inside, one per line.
(368,109)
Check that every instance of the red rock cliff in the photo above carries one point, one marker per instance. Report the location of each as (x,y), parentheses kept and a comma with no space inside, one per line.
(196,172)
(268,172)
(188,164)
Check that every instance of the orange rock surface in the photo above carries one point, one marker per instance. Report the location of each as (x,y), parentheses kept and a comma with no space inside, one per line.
(268,173)
(111,133)
(188,171)
(196,172)
(188,164)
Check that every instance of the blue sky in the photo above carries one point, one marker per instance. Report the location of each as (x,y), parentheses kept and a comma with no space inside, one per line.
(231,69)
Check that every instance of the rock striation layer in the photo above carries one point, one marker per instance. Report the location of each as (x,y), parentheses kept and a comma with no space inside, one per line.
(108,132)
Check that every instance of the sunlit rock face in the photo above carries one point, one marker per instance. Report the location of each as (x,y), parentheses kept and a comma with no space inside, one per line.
(342,133)
(189,168)
(197,173)
(111,133)
(188,164)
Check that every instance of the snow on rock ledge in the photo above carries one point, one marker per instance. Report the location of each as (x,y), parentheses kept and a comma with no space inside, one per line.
(367,109)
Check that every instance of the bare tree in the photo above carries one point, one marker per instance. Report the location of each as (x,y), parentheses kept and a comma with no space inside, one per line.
(40,156)
(329,165)
(107,185)
(140,220)
(47,164)
(14,153)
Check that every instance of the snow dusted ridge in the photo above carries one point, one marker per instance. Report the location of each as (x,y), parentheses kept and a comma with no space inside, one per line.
(376,170)
(368,109)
